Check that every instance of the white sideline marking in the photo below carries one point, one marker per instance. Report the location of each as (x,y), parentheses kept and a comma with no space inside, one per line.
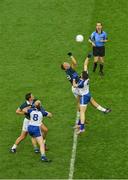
(73,156)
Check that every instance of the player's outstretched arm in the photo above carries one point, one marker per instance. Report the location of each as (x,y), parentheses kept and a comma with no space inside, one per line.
(19,111)
(86,62)
(73,60)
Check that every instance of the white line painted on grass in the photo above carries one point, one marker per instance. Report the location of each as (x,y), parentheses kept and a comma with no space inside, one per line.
(73,156)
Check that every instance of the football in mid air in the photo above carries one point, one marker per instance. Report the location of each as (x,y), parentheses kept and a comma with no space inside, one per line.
(79,38)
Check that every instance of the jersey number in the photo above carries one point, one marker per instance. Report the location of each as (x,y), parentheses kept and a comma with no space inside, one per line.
(35,117)
(68,77)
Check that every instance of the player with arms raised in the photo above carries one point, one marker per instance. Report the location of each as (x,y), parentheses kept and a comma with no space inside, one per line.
(85,96)
(72,74)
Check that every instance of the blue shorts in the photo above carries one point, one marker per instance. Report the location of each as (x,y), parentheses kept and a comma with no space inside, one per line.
(34,131)
(85,99)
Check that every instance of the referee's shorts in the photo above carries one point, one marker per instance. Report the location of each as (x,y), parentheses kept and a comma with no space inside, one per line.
(99,51)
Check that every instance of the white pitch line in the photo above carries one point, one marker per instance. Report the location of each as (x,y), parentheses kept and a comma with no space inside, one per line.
(73,156)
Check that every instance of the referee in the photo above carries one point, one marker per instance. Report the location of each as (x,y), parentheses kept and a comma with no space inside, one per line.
(98,39)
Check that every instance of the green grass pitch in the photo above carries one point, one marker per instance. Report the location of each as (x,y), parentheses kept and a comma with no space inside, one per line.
(35,36)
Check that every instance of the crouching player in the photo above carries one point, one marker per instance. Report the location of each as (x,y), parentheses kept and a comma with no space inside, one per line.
(34,128)
(85,96)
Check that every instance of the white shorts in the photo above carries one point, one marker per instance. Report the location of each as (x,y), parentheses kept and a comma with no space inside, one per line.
(25,125)
(75,92)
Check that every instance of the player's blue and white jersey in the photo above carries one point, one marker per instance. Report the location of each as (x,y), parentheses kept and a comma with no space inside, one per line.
(72,74)
(36,116)
(83,87)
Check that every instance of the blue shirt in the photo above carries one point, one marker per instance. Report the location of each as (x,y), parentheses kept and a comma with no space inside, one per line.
(96,38)
(72,74)
(80,83)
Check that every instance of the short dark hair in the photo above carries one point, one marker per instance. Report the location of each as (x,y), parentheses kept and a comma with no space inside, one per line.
(28,96)
(62,67)
(84,75)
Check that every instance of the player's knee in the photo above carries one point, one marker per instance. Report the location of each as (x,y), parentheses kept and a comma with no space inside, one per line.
(101,60)
(95,59)
(46,130)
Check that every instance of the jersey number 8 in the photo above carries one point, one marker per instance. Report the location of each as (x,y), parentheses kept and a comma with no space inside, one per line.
(35,117)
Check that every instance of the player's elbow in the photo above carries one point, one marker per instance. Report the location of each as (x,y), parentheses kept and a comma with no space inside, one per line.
(17,111)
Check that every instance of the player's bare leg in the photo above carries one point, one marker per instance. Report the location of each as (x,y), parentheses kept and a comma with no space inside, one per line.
(42,148)
(45,131)
(18,140)
(83,109)
(34,143)
(21,137)
(97,106)
(77,113)
(78,121)
(41,144)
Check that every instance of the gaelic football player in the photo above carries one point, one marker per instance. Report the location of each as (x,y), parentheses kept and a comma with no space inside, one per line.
(72,74)
(85,97)
(34,126)
(27,104)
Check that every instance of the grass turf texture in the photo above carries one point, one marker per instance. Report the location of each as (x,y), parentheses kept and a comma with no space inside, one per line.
(35,37)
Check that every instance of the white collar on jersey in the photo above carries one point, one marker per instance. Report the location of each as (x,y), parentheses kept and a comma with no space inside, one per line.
(28,103)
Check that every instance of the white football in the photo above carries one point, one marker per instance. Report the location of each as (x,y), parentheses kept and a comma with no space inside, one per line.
(79,38)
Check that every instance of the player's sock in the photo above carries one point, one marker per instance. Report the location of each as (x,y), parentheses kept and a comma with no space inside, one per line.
(100,108)
(81,130)
(101,68)
(44,140)
(82,127)
(94,66)
(14,146)
(36,149)
(79,122)
(43,155)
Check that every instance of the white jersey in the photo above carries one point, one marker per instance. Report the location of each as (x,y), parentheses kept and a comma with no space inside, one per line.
(83,87)
(36,116)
